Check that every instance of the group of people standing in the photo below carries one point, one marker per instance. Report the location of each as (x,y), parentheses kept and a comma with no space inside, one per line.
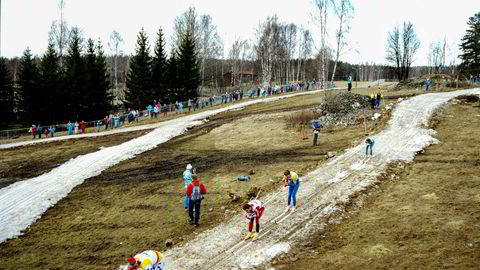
(38,130)
(375,100)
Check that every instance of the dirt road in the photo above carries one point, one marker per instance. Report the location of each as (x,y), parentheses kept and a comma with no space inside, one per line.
(322,192)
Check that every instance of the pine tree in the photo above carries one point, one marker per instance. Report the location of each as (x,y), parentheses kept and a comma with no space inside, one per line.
(6,95)
(159,69)
(75,76)
(51,78)
(97,82)
(139,77)
(30,99)
(172,78)
(470,47)
(189,71)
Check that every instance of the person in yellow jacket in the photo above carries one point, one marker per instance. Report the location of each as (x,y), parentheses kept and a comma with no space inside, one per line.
(291,180)
(147,260)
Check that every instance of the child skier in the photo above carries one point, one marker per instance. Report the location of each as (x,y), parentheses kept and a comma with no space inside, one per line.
(291,180)
(147,260)
(254,210)
(369,142)
(195,192)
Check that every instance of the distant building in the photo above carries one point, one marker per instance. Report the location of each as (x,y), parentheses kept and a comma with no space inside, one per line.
(241,76)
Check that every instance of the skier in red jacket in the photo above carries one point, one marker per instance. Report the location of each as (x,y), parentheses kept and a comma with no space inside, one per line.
(254,210)
(195,192)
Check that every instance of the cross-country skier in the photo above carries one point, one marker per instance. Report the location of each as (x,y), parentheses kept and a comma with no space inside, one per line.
(147,260)
(254,211)
(369,142)
(291,180)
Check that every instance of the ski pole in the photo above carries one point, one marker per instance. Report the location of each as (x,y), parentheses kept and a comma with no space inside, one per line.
(258,193)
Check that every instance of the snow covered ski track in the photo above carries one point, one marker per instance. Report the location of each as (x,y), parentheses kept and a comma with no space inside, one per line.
(24,202)
(321,193)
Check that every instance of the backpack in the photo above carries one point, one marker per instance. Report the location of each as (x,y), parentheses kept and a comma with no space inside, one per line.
(196,194)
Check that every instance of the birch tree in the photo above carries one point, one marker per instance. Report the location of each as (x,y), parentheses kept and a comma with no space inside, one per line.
(59,33)
(320,17)
(344,11)
(265,47)
(114,44)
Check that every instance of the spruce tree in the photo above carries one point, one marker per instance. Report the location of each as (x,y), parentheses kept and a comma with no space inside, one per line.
(139,78)
(31,106)
(6,95)
(75,76)
(470,47)
(189,71)
(97,82)
(51,78)
(159,69)
(172,78)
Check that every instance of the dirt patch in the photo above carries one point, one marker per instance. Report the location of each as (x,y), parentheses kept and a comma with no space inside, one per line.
(138,204)
(33,160)
(424,216)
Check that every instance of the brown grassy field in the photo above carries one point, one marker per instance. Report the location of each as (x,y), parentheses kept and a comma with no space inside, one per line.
(426,218)
(138,204)
(29,161)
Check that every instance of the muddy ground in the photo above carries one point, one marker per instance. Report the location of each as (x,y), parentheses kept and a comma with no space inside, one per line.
(33,160)
(138,204)
(425,215)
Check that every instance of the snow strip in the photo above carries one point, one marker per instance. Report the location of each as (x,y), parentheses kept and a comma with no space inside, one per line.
(23,202)
(322,193)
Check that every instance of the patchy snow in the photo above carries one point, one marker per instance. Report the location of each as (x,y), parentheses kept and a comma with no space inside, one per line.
(262,256)
(322,193)
(25,201)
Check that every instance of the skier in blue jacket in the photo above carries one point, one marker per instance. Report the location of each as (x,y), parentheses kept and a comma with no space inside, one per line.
(187,180)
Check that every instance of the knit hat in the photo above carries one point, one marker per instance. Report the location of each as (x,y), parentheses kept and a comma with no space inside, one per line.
(189,167)
(132,261)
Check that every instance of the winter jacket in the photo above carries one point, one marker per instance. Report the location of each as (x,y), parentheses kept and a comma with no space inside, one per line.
(293,179)
(257,207)
(196,183)
(149,259)
(187,177)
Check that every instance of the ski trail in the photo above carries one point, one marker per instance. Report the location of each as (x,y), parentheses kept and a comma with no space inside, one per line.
(23,202)
(322,192)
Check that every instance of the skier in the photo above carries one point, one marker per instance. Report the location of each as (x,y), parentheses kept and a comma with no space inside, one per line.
(254,210)
(316,130)
(291,180)
(369,142)
(187,180)
(147,260)
(195,192)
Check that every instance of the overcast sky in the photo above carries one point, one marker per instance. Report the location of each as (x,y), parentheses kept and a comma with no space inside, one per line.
(26,23)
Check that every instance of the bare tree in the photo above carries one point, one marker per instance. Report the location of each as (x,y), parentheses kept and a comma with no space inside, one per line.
(436,56)
(321,19)
(188,22)
(304,51)
(400,51)
(210,40)
(59,32)
(114,44)
(266,39)
(344,11)
(290,39)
